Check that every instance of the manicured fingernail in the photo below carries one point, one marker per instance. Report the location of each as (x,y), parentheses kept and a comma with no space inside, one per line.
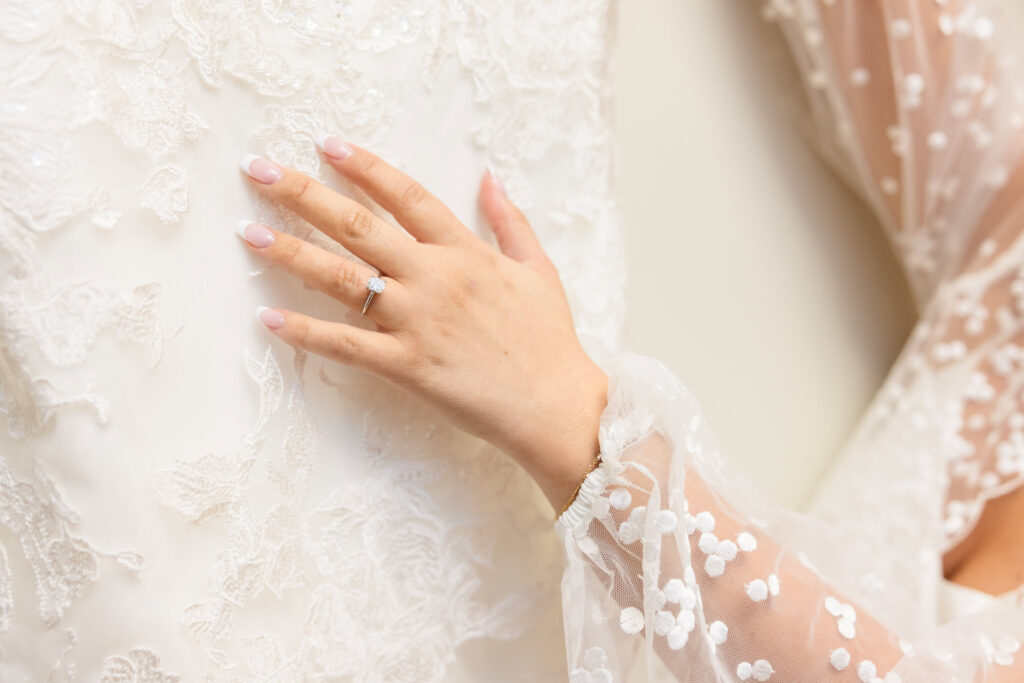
(334,148)
(260,169)
(269,317)
(497,179)
(255,234)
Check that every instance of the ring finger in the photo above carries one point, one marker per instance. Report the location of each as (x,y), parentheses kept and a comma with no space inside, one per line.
(336,276)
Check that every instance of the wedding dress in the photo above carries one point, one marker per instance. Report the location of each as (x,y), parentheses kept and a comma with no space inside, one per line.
(677,567)
(183,497)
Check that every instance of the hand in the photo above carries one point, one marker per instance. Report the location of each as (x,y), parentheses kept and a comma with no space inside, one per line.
(485,336)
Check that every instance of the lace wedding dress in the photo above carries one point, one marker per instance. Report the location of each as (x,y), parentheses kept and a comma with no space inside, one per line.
(677,568)
(182,496)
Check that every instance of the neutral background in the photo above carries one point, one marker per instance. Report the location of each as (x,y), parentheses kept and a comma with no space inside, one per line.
(754,274)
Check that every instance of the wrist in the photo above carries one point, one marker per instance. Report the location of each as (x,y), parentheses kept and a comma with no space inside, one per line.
(562,449)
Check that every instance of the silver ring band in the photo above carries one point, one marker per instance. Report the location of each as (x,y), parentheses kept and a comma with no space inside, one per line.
(376,285)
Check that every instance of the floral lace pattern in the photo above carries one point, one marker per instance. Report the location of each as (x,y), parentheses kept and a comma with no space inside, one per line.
(348,532)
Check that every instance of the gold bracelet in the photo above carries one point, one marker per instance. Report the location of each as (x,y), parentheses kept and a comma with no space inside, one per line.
(597,461)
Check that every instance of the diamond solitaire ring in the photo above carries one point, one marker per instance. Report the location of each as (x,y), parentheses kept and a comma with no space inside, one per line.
(376,285)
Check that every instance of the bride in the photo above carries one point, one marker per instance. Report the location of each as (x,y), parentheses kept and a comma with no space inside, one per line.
(909,567)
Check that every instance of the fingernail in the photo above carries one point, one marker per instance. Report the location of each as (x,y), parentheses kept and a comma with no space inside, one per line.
(497,179)
(260,169)
(255,234)
(269,317)
(334,148)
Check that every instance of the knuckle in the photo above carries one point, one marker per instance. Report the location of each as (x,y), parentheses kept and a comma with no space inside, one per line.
(357,224)
(301,187)
(346,346)
(412,196)
(290,251)
(343,279)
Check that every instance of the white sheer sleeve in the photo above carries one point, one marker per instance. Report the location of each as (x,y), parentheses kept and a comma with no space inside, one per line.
(678,569)
(919,104)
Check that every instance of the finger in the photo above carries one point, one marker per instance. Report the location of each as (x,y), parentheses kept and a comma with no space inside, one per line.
(377,352)
(339,217)
(334,275)
(425,216)
(516,238)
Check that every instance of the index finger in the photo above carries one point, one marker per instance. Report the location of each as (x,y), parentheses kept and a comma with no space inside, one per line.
(425,216)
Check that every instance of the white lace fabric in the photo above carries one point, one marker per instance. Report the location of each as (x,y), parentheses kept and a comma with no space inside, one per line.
(677,567)
(182,496)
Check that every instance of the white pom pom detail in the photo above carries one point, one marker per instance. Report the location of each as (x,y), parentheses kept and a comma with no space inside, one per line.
(727,549)
(847,629)
(677,638)
(665,522)
(840,659)
(674,590)
(705,521)
(762,670)
(620,499)
(719,632)
(746,542)
(867,671)
(833,606)
(708,543)
(773,584)
(631,620)
(757,590)
(715,565)
(744,671)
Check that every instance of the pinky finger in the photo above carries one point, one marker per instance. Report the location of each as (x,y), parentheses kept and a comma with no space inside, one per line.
(377,352)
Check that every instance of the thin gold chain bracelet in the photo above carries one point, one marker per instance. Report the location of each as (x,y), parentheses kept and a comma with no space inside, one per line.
(597,461)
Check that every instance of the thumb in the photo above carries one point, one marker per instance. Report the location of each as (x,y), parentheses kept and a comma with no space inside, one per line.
(516,238)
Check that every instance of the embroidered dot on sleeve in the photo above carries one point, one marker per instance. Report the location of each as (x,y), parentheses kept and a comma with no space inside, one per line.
(746,542)
(727,549)
(715,565)
(620,499)
(937,140)
(839,659)
(719,632)
(833,606)
(744,671)
(689,577)
(705,521)
(762,670)
(665,521)
(867,671)
(678,637)
(773,584)
(664,622)
(688,599)
(757,590)
(847,629)
(899,28)
(708,543)
(674,590)
(631,620)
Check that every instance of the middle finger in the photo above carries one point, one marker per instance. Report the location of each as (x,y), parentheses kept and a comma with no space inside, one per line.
(343,219)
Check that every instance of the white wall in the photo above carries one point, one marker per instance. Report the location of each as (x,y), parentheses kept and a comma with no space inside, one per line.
(753,273)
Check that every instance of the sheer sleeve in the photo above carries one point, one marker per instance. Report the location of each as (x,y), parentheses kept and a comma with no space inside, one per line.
(678,569)
(919,105)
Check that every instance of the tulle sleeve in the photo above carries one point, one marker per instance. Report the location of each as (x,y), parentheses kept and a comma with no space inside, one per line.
(677,568)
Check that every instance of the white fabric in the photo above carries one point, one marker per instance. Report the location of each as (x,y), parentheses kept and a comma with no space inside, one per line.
(677,567)
(182,496)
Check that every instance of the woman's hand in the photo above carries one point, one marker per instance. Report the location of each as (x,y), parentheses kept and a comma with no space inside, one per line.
(486,336)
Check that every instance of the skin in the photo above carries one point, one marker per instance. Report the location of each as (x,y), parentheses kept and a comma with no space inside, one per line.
(483,334)
(486,335)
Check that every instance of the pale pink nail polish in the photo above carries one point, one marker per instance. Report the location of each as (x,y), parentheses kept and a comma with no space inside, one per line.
(497,180)
(334,148)
(255,234)
(260,169)
(269,317)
